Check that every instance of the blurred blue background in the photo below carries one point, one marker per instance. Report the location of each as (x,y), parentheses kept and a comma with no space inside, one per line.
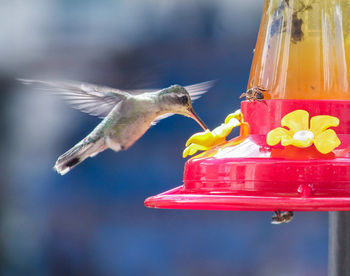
(92,221)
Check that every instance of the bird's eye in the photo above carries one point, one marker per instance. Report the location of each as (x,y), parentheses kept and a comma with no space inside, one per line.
(184,100)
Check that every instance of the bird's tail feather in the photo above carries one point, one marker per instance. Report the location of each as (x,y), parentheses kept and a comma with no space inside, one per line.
(78,154)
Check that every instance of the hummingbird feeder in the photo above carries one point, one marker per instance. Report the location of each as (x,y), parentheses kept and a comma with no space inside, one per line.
(293,151)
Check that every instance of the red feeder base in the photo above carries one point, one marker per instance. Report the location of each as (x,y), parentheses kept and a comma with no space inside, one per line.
(255,176)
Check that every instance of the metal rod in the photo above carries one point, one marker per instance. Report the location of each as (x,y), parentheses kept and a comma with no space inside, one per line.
(339,244)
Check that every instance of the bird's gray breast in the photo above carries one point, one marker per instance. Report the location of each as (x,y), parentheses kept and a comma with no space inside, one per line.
(127,123)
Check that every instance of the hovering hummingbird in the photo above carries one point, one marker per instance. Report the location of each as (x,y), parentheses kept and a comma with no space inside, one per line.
(126,115)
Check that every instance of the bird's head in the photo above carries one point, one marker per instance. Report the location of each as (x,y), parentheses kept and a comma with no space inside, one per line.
(176,99)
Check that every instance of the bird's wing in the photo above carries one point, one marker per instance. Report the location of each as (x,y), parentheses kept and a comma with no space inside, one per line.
(195,91)
(92,99)
(198,89)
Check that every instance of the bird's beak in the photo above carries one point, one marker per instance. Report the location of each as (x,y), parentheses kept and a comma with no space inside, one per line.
(194,116)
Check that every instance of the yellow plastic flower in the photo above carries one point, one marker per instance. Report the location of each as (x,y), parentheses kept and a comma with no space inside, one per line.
(208,139)
(300,135)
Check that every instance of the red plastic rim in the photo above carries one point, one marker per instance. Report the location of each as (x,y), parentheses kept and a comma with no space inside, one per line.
(178,198)
(255,176)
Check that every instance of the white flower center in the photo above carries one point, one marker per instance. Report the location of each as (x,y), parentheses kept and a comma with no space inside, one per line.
(303,135)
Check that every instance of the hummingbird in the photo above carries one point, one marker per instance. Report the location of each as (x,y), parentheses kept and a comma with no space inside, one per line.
(127,115)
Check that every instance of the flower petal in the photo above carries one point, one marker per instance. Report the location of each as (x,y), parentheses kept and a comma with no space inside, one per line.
(286,140)
(275,136)
(233,122)
(205,138)
(192,149)
(224,129)
(326,141)
(296,120)
(237,115)
(302,143)
(322,122)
